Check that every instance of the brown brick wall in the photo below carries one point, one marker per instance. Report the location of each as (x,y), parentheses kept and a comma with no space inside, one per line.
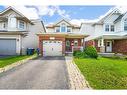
(41,38)
(120,46)
(93,43)
(89,43)
(96,45)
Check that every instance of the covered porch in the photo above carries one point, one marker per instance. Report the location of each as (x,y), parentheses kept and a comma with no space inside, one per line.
(111,44)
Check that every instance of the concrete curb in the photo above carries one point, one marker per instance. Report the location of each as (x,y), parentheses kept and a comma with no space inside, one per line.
(8,67)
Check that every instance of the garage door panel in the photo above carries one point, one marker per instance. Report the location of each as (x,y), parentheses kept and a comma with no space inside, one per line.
(7,47)
(52,48)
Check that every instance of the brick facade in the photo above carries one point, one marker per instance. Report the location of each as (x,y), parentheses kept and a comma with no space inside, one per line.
(57,38)
(93,43)
(42,38)
(120,46)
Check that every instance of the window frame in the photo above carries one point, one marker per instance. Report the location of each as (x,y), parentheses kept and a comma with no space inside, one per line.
(76,40)
(125,22)
(21,23)
(57,28)
(63,25)
(69,29)
(107,27)
(112,28)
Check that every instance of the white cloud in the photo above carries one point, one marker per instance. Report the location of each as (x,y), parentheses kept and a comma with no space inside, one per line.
(34,12)
(31,13)
(79,21)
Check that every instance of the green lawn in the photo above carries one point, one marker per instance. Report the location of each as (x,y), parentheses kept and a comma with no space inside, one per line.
(9,60)
(104,73)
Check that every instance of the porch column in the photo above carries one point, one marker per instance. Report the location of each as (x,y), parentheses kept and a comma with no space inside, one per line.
(102,47)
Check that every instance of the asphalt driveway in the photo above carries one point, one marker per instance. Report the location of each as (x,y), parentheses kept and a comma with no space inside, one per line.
(40,73)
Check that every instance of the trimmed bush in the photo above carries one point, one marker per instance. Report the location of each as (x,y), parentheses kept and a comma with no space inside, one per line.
(91,52)
(79,54)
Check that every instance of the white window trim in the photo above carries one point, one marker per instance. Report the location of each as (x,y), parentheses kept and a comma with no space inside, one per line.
(124,24)
(76,41)
(70,29)
(56,28)
(109,27)
(65,28)
(19,25)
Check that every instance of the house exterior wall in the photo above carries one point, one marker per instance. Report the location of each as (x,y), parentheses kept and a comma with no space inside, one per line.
(118,26)
(12,23)
(31,40)
(93,43)
(53,28)
(18,41)
(43,38)
(120,46)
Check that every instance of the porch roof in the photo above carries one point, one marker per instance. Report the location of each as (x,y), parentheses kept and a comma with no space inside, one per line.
(118,35)
(66,35)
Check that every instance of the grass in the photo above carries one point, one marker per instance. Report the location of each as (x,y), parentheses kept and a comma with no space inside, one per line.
(10,60)
(104,73)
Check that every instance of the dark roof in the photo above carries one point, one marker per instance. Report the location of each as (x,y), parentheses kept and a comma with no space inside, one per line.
(119,18)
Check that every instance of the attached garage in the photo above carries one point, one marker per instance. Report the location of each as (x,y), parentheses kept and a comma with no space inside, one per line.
(7,46)
(52,48)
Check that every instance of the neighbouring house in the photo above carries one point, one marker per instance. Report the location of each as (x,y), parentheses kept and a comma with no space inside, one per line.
(17,32)
(109,34)
(61,38)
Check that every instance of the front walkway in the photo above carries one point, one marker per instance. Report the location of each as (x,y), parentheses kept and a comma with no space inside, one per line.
(77,80)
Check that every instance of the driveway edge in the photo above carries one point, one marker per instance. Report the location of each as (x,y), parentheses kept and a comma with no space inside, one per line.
(76,79)
(8,67)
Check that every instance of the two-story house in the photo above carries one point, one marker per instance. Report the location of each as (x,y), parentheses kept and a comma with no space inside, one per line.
(60,38)
(17,32)
(109,34)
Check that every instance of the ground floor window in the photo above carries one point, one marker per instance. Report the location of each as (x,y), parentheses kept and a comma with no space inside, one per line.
(75,42)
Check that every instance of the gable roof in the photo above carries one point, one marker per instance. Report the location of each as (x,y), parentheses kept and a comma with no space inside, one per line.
(61,21)
(110,12)
(11,8)
(120,17)
(55,24)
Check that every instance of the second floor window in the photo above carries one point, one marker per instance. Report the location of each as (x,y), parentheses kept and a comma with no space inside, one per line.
(57,29)
(21,24)
(125,25)
(112,28)
(68,30)
(106,27)
(63,28)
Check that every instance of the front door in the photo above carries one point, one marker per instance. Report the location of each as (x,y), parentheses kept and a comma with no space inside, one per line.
(68,46)
(109,46)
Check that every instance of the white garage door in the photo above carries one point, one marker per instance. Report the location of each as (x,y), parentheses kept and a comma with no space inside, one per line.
(52,48)
(7,47)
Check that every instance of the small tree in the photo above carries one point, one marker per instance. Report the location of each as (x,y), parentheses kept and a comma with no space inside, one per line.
(91,52)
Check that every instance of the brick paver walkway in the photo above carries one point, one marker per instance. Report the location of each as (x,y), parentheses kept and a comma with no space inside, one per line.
(77,80)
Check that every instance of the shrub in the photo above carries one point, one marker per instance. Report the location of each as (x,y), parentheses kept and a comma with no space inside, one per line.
(91,52)
(79,54)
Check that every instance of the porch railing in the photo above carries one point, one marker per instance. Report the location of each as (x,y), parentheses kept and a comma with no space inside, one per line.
(74,48)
